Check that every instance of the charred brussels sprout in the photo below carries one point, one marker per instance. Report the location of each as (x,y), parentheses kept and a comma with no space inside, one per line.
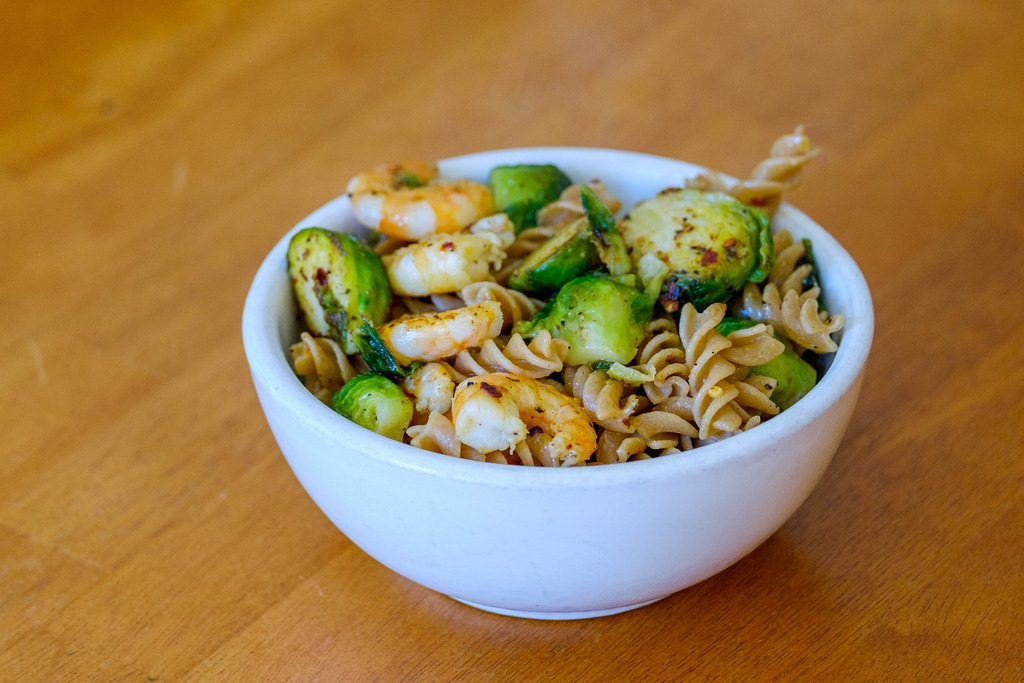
(711,243)
(795,375)
(375,402)
(602,318)
(521,191)
(568,254)
(337,281)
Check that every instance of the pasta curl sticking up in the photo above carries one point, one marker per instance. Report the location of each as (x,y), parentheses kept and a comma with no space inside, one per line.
(322,364)
(777,174)
(541,357)
(709,384)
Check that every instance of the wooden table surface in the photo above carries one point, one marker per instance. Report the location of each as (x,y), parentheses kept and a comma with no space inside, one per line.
(150,155)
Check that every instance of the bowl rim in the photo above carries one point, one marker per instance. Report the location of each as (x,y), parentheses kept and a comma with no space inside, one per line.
(269,364)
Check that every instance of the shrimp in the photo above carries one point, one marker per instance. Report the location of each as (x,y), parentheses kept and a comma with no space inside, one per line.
(498,411)
(433,336)
(409,200)
(443,263)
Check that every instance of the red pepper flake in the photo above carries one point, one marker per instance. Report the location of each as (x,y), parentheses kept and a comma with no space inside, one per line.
(710,257)
(448,246)
(729,242)
(320,277)
(494,391)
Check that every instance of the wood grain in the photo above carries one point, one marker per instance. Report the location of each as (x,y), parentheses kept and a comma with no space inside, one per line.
(150,155)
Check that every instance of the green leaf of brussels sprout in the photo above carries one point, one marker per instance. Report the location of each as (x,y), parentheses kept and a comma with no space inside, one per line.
(337,280)
(605,233)
(377,355)
(520,191)
(601,318)
(712,244)
(375,402)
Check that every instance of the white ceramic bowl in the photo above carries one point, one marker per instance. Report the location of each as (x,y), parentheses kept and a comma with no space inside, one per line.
(557,543)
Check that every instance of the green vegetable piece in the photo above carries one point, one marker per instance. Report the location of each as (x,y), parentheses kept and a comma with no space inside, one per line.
(377,354)
(521,191)
(711,243)
(605,233)
(601,318)
(375,402)
(337,281)
(567,254)
(634,376)
(795,376)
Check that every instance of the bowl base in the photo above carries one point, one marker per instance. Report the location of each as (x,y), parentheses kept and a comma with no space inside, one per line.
(556,616)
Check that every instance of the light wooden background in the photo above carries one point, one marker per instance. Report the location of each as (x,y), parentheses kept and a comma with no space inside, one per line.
(150,155)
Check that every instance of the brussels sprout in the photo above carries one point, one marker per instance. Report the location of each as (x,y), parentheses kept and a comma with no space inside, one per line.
(521,191)
(375,402)
(795,375)
(337,280)
(712,244)
(568,254)
(603,319)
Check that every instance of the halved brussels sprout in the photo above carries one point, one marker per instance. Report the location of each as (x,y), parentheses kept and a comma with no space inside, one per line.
(566,255)
(375,402)
(794,375)
(337,281)
(601,318)
(711,243)
(522,190)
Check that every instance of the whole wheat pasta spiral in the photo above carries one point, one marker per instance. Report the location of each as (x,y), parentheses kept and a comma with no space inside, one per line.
(662,429)
(777,174)
(751,346)
(436,435)
(322,364)
(662,351)
(795,314)
(515,306)
(603,398)
(616,447)
(541,357)
(709,384)
(755,393)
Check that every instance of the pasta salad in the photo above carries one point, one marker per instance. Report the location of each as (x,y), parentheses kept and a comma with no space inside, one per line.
(518,321)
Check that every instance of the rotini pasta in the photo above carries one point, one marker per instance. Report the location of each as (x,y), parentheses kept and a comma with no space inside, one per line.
(777,174)
(322,364)
(515,306)
(602,398)
(540,357)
